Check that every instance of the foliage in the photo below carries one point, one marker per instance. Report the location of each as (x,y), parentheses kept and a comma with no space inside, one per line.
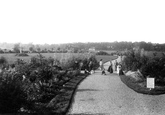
(1,51)
(36,82)
(154,67)
(83,47)
(73,62)
(148,66)
(16,48)
(95,63)
(12,93)
(3,61)
(134,60)
(102,53)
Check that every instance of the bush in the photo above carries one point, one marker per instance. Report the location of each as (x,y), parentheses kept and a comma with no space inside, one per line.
(73,62)
(3,60)
(12,93)
(102,53)
(148,66)
(155,67)
(95,63)
(134,60)
(41,82)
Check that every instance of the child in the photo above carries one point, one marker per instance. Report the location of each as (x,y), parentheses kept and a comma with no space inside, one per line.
(86,71)
(103,72)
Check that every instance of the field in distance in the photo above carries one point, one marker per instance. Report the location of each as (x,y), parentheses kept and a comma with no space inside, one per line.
(11,58)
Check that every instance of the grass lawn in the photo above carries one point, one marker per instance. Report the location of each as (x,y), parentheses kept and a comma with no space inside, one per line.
(12,58)
(105,58)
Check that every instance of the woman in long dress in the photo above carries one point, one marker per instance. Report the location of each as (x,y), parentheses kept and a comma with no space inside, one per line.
(101,64)
(110,70)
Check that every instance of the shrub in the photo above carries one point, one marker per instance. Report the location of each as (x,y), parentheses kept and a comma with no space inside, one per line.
(95,63)
(102,53)
(69,63)
(134,60)
(12,93)
(72,62)
(155,67)
(148,66)
(43,81)
(3,61)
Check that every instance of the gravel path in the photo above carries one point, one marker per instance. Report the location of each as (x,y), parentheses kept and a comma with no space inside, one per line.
(107,95)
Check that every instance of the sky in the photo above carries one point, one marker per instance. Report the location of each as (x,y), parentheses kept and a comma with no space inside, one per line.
(68,21)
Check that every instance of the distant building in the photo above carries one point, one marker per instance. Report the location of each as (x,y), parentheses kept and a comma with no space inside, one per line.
(92,49)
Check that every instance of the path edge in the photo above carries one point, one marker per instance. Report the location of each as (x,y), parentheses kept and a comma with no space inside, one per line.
(73,95)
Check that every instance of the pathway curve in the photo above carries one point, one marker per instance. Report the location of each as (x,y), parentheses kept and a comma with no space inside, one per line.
(107,95)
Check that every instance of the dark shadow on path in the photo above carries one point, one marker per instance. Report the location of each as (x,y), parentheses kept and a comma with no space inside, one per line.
(81,90)
(89,114)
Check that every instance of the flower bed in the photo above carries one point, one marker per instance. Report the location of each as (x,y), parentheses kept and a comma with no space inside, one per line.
(38,86)
(140,87)
(153,67)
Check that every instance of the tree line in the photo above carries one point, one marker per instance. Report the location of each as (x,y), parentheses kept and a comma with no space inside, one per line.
(80,47)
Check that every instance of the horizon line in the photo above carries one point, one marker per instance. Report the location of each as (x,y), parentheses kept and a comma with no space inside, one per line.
(77,42)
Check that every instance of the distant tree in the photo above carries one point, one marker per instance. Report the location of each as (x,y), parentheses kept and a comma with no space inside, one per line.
(102,53)
(45,50)
(16,48)
(76,50)
(1,51)
(5,50)
(38,49)
(31,48)
(58,48)
(52,49)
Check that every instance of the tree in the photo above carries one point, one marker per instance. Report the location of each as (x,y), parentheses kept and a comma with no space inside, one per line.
(16,48)
(31,48)
(38,49)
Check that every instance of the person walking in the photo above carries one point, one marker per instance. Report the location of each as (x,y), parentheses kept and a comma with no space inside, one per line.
(110,69)
(119,69)
(102,67)
(101,64)
(116,64)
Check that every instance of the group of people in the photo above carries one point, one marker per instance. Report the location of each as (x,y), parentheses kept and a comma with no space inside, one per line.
(88,68)
(110,68)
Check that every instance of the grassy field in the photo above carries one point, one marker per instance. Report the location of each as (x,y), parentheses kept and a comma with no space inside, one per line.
(11,58)
(105,58)
(108,51)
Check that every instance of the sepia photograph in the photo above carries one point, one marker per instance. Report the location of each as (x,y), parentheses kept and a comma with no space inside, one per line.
(82,57)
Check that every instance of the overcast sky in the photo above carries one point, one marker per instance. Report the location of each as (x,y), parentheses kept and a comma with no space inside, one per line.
(66,21)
